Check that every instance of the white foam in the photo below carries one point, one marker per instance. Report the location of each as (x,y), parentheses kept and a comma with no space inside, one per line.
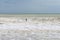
(21,24)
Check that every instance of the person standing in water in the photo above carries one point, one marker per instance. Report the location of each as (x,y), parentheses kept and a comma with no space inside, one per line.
(26,19)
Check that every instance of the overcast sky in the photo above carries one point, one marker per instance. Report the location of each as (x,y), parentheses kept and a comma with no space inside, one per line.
(29,6)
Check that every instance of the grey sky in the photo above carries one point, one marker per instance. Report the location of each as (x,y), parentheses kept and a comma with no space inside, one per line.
(29,6)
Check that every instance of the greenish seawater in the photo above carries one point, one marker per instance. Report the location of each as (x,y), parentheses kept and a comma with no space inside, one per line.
(31,14)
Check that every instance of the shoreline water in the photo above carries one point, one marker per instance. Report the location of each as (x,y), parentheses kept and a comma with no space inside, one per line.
(37,27)
(48,23)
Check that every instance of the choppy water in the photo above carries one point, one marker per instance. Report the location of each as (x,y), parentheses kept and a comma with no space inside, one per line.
(29,35)
(34,28)
(29,23)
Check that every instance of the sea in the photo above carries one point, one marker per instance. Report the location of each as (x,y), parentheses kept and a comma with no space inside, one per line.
(38,26)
